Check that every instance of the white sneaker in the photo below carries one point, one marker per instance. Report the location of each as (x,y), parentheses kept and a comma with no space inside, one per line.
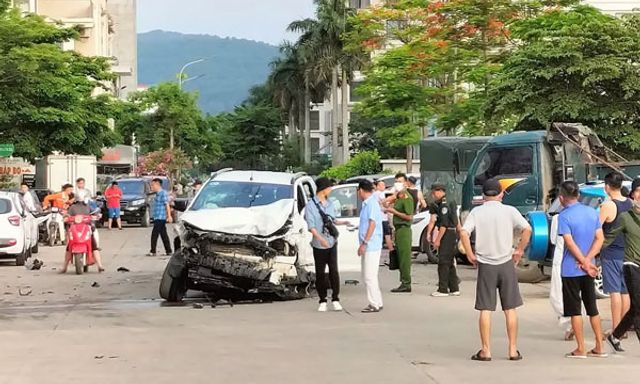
(322,307)
(456,293)
(336,306)
(439,294)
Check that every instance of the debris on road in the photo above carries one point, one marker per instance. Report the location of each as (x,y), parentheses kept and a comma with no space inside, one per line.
(34,265)
(98,357)
(26,292)
(351,282)
(95,285)
(123,269)
(198,306)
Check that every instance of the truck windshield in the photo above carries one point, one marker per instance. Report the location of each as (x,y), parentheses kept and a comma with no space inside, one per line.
(133,187)
(504,162)
(227,194)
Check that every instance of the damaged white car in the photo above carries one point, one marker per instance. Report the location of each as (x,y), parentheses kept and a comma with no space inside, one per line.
(244,233)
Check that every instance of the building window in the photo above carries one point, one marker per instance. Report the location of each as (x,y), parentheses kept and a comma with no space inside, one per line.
(354,97)
(315,145)
(315,120)
(359,4)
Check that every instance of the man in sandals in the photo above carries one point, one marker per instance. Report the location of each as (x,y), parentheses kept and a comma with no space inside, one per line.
(494,225)
(629,225)
(581,230)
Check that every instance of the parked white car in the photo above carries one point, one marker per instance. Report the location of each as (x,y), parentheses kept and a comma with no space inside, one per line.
(18,229)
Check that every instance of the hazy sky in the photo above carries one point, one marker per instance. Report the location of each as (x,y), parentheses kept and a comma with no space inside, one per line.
(261,20)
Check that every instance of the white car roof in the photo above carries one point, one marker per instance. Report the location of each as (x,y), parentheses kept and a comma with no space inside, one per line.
(279,178)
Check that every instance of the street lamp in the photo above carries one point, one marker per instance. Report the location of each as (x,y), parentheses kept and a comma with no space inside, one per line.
(184,67)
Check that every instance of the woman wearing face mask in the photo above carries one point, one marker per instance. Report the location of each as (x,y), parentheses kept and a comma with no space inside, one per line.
(403,210)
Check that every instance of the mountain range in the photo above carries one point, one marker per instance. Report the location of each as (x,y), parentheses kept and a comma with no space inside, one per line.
(231,67)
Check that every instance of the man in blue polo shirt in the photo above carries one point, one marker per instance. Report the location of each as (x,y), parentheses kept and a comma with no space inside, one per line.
(579,226)
(370,235)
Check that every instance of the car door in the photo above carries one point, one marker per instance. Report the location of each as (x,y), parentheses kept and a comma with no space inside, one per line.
(347,205)
(25,223)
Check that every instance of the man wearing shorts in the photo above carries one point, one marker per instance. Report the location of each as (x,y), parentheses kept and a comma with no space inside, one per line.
(629,225)
(612,255)
(113,194)
(580,228)
(494,225)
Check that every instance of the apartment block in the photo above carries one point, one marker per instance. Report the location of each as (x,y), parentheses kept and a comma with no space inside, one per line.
(108,30)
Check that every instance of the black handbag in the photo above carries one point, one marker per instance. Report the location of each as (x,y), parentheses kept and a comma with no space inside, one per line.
(394,263)
(329,227)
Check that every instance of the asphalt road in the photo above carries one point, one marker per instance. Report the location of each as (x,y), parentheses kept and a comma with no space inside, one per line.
(60,329)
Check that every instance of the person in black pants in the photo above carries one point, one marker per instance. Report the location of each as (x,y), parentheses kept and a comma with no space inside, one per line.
(446,213)
(161,216)
(629,225)
(324,245)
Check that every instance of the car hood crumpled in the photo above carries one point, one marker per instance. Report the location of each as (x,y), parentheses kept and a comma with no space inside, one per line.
(256,221)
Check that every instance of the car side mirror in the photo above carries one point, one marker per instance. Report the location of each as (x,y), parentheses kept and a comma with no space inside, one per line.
(180,205)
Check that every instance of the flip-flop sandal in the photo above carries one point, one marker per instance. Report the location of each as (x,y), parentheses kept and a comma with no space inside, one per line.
(478,357)
(573,355)
(569,335)
(516,358)
(593,353)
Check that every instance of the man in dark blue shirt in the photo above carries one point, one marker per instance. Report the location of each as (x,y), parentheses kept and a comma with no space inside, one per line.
(161,211)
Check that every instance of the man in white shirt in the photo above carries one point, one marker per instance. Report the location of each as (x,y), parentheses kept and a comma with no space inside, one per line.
(386,227)
(494,225)
(27,198)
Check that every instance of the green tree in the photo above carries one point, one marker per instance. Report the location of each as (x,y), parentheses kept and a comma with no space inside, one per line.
(46,101)
(575,65)
(166,117)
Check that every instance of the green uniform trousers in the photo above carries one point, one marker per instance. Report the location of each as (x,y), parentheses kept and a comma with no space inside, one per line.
(403,247)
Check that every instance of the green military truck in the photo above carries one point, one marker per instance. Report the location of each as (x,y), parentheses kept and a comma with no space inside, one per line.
(530,166)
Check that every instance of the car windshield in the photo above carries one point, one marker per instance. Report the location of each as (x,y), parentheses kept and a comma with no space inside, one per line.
(133,187)
(5,206)
(227,194)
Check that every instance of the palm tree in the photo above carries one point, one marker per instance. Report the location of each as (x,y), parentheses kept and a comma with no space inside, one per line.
(322,41)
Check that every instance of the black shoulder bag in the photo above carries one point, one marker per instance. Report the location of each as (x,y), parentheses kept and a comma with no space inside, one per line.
(329,226)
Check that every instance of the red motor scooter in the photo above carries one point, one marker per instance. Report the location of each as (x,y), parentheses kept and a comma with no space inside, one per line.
(79,242)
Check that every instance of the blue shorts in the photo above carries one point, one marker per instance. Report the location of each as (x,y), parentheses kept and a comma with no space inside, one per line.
(612,275)
(114,213)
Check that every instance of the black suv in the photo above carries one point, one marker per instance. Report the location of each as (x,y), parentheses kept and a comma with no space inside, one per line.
(136,201)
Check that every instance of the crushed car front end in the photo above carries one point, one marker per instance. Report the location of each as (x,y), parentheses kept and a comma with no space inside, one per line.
(228,265)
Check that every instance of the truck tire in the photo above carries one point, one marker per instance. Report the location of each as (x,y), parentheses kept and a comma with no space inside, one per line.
(78,263)
(172,289)
(145,222)
(529,272)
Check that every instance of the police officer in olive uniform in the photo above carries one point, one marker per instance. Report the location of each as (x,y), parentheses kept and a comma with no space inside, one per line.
(446,212)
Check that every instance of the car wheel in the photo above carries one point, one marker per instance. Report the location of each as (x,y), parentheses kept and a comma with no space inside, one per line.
(146,219)
(172,289)
(428,249)
(21,259)
(600,285)
(529,272)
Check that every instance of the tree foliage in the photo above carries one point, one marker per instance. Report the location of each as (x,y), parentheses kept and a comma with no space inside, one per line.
(575,65)
(150,116)
(165,162)
(46,101)
(363,163)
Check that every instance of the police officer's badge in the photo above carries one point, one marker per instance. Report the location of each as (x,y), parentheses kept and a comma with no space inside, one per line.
(445,210)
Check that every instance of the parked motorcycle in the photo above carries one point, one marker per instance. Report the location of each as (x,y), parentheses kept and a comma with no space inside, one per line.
(79,242)
(53,227)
